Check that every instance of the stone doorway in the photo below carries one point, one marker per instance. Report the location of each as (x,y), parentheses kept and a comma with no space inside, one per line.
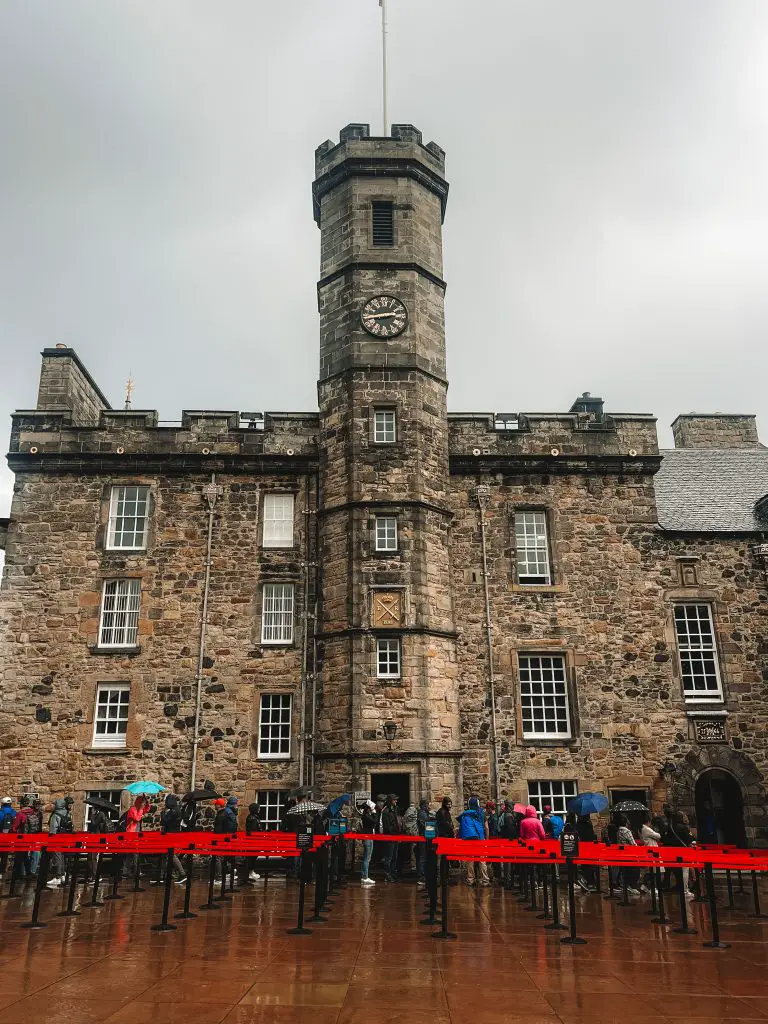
(398,783)
(719,808)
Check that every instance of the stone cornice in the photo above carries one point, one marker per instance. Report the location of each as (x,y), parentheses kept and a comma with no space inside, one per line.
(171,463)
(378,167)
(555,465)
(390,503)
(383,265)
(333,634)
(384,755)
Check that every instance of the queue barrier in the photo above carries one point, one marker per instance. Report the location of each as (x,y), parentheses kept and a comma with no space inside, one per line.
(537,863)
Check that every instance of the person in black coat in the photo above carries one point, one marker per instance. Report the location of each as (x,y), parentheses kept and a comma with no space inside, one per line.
(445,826)
(253,824)
(390,826)
(172,821)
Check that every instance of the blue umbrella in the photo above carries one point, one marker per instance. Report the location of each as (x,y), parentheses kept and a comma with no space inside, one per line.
(588,803)
(334,807)
(145,787)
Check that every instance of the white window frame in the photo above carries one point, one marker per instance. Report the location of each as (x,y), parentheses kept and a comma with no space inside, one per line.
(544,693)
(117,739)
(695,648)
(275,711)
(558,793)
(119,495)
(277,622)
(277,528)
(271,802)
(104,794)
(386,647)
(532,564)
(384,426)
(120,612)
(385,532)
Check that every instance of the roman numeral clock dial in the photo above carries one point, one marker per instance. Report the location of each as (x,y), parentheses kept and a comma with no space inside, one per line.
(384,316)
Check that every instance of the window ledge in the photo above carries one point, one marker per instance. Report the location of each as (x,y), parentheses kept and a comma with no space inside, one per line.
(95,751)
(277,645)
(716,711)
(129,652)
(538,588)
(565,742)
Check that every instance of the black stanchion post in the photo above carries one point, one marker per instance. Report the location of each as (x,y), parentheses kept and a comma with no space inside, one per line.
(95,901)
(556,923)
(662,918)
(186,914)
(729,883)
(70,911)
(42,875)
(756,896)
(573,939)
(598,889)
(137,873)
(710,882)
(625,901)
(654,905)
(117,871)
(164,926)
(320,872)
(303,867)
(741,881)
(15,876)
(545,896)
(211,904)
(683,929)
(444,933)
(430,877)
(222,897)
(532,874)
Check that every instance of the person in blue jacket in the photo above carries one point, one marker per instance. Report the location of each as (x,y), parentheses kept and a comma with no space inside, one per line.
(472,825)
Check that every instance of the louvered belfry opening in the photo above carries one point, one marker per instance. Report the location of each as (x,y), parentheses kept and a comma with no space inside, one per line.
(383,223)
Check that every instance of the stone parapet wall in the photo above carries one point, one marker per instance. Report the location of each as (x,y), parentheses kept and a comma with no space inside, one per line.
(715,430)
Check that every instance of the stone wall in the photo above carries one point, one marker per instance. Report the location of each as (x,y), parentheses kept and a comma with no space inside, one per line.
(65,384)
(49,614)
(715,430)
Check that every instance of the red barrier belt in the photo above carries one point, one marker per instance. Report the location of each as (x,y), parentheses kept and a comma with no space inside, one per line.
(260,844)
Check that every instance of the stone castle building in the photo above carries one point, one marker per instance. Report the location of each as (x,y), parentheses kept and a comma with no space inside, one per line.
(382,595)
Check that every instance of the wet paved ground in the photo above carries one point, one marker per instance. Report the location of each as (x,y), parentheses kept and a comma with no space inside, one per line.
(373,963)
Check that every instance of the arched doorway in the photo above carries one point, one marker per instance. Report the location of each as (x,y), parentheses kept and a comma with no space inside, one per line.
(719,808)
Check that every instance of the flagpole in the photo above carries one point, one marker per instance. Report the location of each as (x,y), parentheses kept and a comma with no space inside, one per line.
(383,5)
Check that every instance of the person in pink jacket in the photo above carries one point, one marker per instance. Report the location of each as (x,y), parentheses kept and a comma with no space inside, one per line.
(530,826)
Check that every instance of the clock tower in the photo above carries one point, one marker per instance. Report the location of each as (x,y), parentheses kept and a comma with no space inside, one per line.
(387,714)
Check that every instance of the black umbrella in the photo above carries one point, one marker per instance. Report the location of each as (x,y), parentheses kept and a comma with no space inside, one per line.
(195,795)
(102,805)
(629,805)
(302,791)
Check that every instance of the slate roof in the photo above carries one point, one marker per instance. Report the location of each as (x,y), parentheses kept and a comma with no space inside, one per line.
(712,490)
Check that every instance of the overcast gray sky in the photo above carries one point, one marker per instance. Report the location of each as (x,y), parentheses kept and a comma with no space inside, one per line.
(607,227)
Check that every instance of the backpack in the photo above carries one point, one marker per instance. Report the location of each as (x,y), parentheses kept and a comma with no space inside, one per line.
(557,825)
(509,827)
(122,822)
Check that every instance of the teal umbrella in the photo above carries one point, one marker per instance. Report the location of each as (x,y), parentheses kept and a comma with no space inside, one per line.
(147,788)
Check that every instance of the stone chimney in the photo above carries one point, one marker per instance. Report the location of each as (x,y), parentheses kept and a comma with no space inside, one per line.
(715,430)
(590,404)
(66,386)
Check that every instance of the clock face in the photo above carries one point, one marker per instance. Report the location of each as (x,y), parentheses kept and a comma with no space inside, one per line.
(384,316)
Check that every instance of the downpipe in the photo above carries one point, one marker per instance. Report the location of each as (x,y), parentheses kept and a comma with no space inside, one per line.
(211,492)
(483,495)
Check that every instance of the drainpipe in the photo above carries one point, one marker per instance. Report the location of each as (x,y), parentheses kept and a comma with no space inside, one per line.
(211,492)
(305,639)
(483,494)
(314,631)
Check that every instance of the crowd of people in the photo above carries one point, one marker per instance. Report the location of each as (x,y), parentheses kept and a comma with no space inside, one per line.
(395,857)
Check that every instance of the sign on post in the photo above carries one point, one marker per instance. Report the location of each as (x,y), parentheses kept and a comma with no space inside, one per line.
(337,826)
(569,842)
(430,830)
(304,837)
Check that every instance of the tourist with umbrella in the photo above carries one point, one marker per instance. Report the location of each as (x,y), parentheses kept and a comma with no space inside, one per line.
(99,822)
(191,802)
(583,806)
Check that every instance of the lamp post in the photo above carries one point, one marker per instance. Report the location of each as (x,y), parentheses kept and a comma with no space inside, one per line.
(390,731)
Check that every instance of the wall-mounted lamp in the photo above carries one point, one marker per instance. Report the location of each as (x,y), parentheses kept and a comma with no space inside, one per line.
(669,770)
(390,731)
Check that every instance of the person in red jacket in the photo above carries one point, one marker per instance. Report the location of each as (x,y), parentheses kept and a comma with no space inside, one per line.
(530,826)
(136,813)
